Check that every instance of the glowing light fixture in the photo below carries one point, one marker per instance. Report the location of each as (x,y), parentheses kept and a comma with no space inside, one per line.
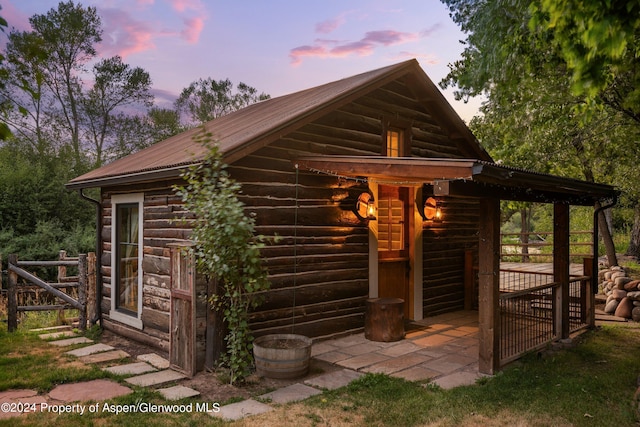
(431,211)
(365,206)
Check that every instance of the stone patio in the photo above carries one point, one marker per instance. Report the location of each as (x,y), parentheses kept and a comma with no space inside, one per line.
(442,349)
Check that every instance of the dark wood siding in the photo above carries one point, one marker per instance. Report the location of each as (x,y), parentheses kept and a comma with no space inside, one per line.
(444,245)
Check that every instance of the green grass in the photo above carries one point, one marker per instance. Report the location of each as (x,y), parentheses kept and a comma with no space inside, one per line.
(593,384)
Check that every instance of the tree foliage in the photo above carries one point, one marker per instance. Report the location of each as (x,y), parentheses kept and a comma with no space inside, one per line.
(533,118)
(206,99)
(599,43)
(226,250)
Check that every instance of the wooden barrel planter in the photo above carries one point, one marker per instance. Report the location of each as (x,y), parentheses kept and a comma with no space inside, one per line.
(384,319)
(282,356)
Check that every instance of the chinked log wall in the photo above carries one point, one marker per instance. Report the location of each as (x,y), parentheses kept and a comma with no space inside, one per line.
(330,245)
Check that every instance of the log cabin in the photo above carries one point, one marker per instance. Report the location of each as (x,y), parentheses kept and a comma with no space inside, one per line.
(375,187)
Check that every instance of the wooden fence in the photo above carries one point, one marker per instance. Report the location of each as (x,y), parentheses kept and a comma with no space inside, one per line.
(538,246)
(83,283)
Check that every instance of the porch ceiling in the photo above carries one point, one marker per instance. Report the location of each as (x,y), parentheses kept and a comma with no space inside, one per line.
(463,178)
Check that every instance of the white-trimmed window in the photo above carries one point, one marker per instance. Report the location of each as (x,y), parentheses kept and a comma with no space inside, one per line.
(126,258)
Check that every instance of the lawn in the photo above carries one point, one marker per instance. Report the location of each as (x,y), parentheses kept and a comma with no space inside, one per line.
(592,384)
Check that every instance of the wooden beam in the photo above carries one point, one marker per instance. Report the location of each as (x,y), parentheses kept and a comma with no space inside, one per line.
(561,261)
(489,286)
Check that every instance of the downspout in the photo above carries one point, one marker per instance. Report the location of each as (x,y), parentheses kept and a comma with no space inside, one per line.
(596,232)
(98,316)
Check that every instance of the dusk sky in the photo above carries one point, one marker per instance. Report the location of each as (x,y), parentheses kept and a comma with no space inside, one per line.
(276,46)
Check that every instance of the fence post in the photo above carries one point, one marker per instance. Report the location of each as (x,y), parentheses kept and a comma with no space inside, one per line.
(62,269)
(12,299)
(91,287)
(82,291)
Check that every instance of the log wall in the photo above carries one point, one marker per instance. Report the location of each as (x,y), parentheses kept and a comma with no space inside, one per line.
(444,246)
(318,265)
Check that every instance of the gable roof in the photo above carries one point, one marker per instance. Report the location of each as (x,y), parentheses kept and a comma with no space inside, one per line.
(246,130)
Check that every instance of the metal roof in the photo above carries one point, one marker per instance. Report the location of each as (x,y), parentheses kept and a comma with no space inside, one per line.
(246,130)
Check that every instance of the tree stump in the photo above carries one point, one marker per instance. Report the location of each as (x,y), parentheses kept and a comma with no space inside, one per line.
(384,319)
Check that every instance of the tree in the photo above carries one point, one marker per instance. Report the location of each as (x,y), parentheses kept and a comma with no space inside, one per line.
(204,100)
(68,36)
(227,250)
(117,85)
(5,132)
(530,108)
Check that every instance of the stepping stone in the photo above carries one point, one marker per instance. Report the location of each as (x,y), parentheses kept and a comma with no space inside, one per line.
(457,379)
(334,380)
(178,392)
(291,393)
(154,359)
(107,356)
(52,329)
(156,378)
(61,334)
(238,410)
(90,390)
(92,349)
(70,341)
(130,369)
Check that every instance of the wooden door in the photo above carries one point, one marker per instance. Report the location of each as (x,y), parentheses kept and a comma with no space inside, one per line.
(394,245)
(182,332)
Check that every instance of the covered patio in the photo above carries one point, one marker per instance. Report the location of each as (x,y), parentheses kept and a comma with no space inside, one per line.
(445,349)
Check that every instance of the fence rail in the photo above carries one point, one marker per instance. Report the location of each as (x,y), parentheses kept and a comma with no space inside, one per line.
(84,283)
(529,309)
(541,246)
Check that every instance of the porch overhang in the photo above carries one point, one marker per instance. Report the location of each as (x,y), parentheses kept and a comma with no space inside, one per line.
(463,178)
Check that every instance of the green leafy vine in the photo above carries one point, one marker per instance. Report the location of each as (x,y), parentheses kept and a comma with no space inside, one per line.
(226,249)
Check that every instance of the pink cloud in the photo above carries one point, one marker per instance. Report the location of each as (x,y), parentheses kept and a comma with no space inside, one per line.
(193,28)
(182,5)
(15,19)
(363,47)
(123,35)
(325,27)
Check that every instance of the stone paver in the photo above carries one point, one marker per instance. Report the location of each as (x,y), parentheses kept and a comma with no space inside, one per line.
(457,379)
(363,360)
(30,398)
(54,335)
(402,348)
(155,378)
(444,366)
(332,356)
(71,341)
(178,392)
(92,349)
(334,380)
(155,360)
(107,356)
(136,368)
(397,364)
(357,350)
(238,410)
(292,393)
(90,390)
(416,373)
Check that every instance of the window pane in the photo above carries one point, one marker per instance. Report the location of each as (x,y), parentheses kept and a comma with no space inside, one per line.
(393,143)
(127,255)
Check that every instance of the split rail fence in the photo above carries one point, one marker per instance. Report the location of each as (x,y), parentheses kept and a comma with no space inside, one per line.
(68,292)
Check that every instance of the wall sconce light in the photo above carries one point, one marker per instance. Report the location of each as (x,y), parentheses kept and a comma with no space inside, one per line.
(431,211)
(365,206)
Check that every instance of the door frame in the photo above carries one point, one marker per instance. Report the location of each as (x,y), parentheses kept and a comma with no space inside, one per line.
(415,257)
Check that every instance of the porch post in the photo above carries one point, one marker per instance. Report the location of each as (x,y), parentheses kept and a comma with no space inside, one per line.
(561,267)
(489,286)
